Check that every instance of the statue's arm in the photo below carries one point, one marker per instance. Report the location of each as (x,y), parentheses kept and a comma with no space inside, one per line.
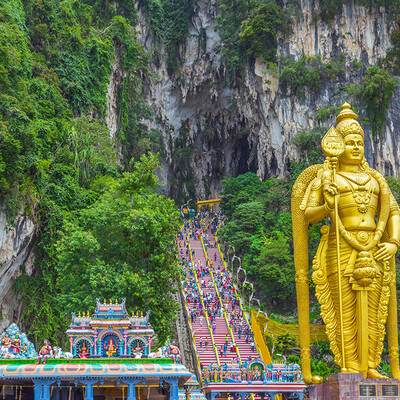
(393,225)
(388,249)
(315,210)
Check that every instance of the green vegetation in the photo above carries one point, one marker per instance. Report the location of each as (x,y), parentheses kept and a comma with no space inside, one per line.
(248,29)
(375,91)
(328,9)
(169,20)
(101,231)
(259,224)
(308,73)
(326,112)
(113,240)
(309,146)
(392,59)
(259,227)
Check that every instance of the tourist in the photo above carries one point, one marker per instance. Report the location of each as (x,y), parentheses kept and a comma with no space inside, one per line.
(201,342)
(225,348)
(206,343)
(214,327)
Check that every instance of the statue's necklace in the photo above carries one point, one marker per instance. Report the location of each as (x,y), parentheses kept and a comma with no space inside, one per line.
(362,196)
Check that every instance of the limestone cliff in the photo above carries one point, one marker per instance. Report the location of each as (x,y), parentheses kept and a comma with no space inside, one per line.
(15,253)
(231,130)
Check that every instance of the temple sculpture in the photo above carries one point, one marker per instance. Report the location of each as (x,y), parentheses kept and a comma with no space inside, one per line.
(354,268)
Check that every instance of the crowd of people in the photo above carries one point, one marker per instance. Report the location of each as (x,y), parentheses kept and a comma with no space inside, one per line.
(196,282)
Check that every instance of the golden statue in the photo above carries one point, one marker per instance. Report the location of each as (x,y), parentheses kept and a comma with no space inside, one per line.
(361,243)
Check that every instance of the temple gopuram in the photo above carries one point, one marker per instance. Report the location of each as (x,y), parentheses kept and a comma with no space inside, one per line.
(110,358)
(110,332)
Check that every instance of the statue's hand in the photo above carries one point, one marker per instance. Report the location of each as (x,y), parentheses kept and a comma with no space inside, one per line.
(386,251)
(329,192)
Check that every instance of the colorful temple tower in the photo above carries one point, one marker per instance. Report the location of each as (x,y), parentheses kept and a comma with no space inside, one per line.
(110,332)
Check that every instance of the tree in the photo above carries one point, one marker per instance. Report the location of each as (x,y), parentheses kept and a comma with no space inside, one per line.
(376,90)
(258,32)
(122,247)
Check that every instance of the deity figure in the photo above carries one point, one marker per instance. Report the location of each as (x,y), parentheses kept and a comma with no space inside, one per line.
(111,348)
(174,352)
(206,375)
(24,348)
(354,269)
(5,343)
(44,353)
(16,344)
(243,373)
(83,352)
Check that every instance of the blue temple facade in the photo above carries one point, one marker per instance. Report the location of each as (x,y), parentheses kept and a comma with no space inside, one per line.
(110,359)
(110,332)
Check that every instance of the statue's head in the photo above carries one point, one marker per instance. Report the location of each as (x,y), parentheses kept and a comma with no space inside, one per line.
(46,342)
(353,136)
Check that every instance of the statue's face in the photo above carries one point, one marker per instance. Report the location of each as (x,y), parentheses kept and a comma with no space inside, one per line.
(354,149)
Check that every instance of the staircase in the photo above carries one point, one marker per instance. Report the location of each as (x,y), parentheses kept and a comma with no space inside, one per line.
(202,275)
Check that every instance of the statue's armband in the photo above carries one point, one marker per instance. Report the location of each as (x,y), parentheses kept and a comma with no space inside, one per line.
(313,196)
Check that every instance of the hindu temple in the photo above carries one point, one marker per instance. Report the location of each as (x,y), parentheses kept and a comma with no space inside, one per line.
(109,359)
(110,332)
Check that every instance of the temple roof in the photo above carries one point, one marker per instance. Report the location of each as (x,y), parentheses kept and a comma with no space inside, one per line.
(110,311)
(100,370)
(109,314)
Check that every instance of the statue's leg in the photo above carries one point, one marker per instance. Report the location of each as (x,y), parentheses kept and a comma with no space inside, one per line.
(350,315)
(376,333)
(392,331)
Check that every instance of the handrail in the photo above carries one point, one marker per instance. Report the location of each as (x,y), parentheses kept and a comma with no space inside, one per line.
(234,284)
(259,348)
(204,309)
(186,310)
(220,300)
(193,343)
(259,340)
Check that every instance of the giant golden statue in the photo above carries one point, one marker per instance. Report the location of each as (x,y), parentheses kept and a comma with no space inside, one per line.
(354,268)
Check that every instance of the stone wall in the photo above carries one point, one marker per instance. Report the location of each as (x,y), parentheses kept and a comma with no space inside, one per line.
(16,243)
(249,127)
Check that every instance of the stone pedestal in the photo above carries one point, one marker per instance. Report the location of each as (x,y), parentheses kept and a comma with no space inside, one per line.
(355,387)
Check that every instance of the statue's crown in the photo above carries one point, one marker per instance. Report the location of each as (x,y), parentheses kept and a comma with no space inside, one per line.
(347,121)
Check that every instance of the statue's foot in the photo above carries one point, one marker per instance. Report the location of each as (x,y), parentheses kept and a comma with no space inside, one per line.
(316,379)
(349,371)
(374,374)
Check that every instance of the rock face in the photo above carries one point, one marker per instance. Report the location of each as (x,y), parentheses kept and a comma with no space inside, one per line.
(15,252)
(212,130)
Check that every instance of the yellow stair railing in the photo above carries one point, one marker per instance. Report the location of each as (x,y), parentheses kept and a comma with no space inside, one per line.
(262,349)
(204,309)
